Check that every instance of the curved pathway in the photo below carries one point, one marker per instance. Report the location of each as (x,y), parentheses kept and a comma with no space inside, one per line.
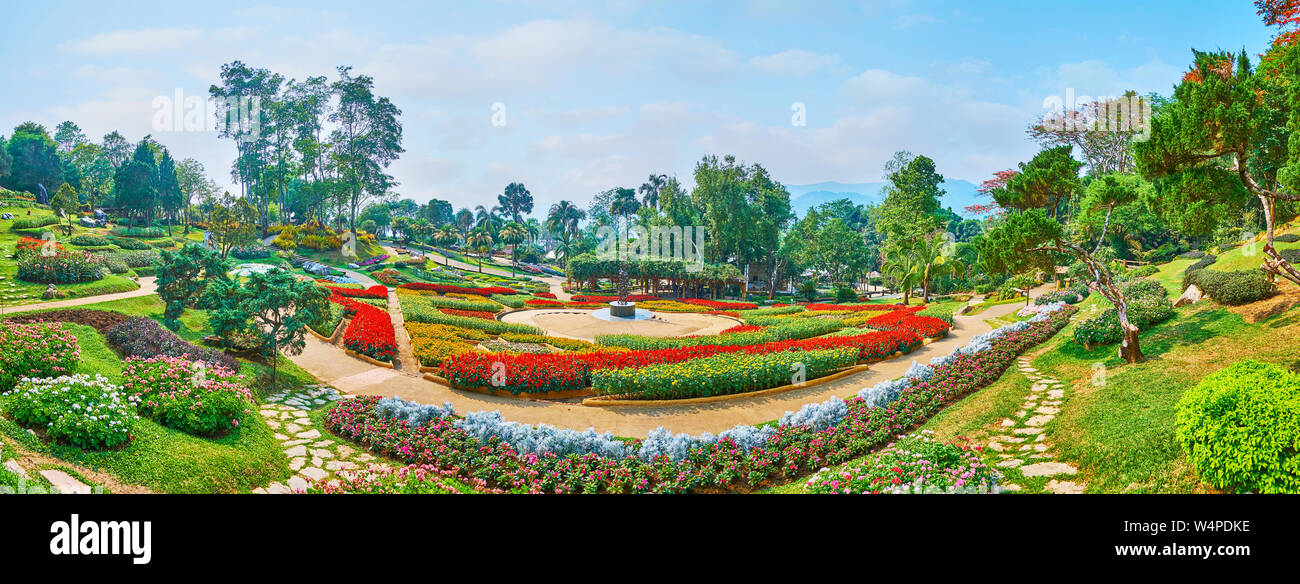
(148,285)
(352,376)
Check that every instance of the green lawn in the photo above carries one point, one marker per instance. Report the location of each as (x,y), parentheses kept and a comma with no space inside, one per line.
(15,292)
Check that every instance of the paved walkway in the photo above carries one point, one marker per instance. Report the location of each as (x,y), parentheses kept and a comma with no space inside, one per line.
(147,286)
(352,376)
(311,456)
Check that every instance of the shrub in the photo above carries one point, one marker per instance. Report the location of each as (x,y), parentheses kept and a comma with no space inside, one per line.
(115,265)
(142,232)
(916,463)
(1240,428)
(144,337)
(33,222)
(35,350)
(89,413)
(253,252)
(1143,312)
(90,240)
(1192,255)
(62,268)
(194,397)
(140,259)
(1141,272)
(1288,238)
(1200,264)
(1232,288)
(131,244)
(721,374)
(845,294)
(1143,287)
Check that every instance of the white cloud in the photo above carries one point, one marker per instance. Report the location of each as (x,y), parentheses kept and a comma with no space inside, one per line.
(878,86)
(135,41)
(793,61)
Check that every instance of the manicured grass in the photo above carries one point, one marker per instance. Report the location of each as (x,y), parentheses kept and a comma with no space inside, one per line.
(15,292)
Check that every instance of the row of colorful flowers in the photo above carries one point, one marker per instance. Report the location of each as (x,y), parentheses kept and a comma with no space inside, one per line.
(450,289)
(370,332)
(741,459)
(724,374)
(374,292)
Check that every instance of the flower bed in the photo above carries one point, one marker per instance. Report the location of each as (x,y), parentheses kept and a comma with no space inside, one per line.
(88,413)
(916,463)
(376,292)
(144,337)
(35,350)
(741,459)
(469,313)
(447,289)
(608,299)
(547,303)
(370,332)
(370,261)
(194,397)
(62,268)
(926,326)
(721,374)
(716,305)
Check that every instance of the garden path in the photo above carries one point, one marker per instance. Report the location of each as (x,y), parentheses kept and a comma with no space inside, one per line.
(352,376)
(1023,445)
(148,286)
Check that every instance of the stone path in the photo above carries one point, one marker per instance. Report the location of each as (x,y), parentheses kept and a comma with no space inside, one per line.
(147,286)
(311,456)
(59,479)
(1022,445)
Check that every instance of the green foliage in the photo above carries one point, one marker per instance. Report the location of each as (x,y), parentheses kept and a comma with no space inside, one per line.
(90,240)
(61,268)
(1232,288)
(183,277)
(88,413)
(724,374)
(1143,287)
(911,205)
(33,222)
(1240,428)
(1143,312)
(1048,179)
(141,232)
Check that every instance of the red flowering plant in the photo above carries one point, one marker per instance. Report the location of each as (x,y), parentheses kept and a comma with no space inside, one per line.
(469,313)
(371,331)
(608,299)
(449,289)
(716,305)
(377,292)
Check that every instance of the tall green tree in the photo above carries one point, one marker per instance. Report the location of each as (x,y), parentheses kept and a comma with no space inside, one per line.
(34,160)
(367,138)
(1045,182)
(516,201)
(65,202)
(912,191)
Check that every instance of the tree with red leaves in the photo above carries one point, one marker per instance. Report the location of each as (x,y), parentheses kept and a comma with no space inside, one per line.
(1285,15)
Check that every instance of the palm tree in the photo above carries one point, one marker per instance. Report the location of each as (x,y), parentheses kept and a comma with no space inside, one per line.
(933,259)
(488,218)
(513,234)
(651,188)
(624,204)
(401,225)
(563,219)
(464,219)
(901,266)
(481,241)
(447,235)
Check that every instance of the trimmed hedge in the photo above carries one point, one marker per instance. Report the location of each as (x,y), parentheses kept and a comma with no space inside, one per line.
(1240,428)
(90,240)
(1143,312)
(1288,238)
(1144,287)
(33,222)
(1232,288)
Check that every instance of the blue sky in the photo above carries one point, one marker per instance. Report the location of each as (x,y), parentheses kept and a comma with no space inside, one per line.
(601,94)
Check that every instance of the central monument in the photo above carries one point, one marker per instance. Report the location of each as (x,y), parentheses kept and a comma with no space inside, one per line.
(622,308)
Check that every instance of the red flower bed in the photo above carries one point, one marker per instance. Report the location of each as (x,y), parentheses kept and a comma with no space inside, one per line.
(545,295)
(630,298)
(570,371)
(716,305)
(371,330)
(926,326)
(447,289)
(469,313)
(743,328)
(544,303)
(379,292)
(853,308)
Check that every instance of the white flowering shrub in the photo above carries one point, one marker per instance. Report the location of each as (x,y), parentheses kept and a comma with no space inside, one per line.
(542,438)
(818,416)
(89,413)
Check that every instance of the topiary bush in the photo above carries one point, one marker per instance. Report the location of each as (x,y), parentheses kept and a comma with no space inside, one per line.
(197,398)
(1143,287)
(1140,272)
(1232,288)
(90,240)
(1240,428)
(1288,238)
(1205,262)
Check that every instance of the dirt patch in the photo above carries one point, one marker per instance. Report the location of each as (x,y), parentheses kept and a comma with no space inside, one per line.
(100,320)
(1288,297)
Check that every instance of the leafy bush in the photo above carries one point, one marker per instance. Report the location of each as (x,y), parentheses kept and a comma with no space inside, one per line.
(1143,287)
(1141,272)
(142,232)
(62,268)
(1232,288)
(1195,254)
(1288,238)
(845,294)
(139,259)
(1240,428)
(90,240)
(89,413)
(33,222)
(916,463)
(720,375)
(194,397)
(1201,264)
(1143,312)
(35,350)
(253,252)
(145,338)
(131,244)
(115,265)
(1072,295)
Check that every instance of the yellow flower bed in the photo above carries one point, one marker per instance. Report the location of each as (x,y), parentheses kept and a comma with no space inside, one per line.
(435,343)
(670,306)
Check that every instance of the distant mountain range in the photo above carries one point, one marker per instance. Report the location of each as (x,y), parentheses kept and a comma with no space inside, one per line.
(960,194)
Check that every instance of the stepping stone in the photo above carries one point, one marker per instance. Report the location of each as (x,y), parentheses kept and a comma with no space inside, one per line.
(1037,388)
(1019,414)
(1008,439)
(1027,430)
(1012,463)
(311,434)
(1011,487)
(298,484)
(1043,469)
(297,463)
(363,457)
(340,465)
(1008,423)
(1039,421)
(281,437)
(1029,369)
(295,442)
(65,483)
(1040,438)
(313,473)
(1040,447)
(296,451)
(1048,410)
(292,428)
(273,424)
(278,489)
(1056,393)
(17,469)
(259,491)
(1065,487)
(323,444)
(317,461)
(322,453)
(344,451)
(995,446)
